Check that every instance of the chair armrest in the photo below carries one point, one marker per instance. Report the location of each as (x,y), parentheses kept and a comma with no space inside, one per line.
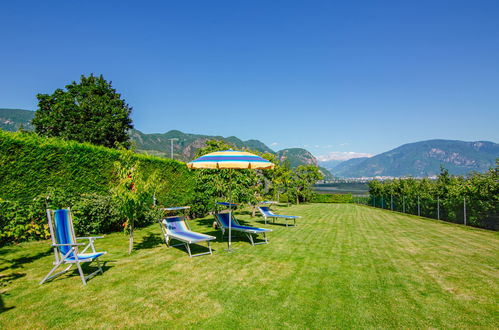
(77,244)
(90,238)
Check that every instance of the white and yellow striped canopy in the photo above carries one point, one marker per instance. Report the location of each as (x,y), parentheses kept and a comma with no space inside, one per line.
(231,159)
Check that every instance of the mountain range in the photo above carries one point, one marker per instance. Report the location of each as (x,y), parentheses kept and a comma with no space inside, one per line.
(419,159)
(184,145)
(422,159)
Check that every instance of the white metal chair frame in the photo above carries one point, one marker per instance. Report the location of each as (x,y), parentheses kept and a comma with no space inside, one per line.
(61,259)
(277,216)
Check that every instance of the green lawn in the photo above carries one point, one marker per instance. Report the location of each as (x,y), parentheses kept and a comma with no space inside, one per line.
(343,266)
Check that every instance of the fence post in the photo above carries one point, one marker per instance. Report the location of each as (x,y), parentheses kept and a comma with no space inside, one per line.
(464,206)
(391,202)
(438,208)
(381,201)
(403,204)
(419,208)
(374,201)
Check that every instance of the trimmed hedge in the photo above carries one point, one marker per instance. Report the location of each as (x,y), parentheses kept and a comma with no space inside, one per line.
(71,174)
(331,198)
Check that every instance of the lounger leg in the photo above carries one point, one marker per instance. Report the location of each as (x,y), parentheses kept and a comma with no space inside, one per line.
(251,239)
(81,273)
(188,249)
(209,247)
(98,264)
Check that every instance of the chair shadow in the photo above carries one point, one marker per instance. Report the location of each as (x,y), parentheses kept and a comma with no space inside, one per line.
(148,242)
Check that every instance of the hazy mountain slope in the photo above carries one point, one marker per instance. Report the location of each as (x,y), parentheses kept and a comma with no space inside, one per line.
(347,165)
(296,156)
(424,158)
(12,119)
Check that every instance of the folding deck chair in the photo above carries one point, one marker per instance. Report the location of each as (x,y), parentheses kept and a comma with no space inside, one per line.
(267,213)
(223,219)
(175,227)
(66,248)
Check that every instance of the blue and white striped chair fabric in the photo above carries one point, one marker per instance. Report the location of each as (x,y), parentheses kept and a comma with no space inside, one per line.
(177,228)
(224,218)
(267,213)
(66,247)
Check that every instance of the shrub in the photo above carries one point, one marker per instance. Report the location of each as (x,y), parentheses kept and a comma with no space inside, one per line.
(331,198)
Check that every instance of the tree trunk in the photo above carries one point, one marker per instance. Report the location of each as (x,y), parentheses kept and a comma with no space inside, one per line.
(130,243)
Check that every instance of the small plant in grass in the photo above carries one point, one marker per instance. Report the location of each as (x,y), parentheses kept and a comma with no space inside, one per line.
(133,193)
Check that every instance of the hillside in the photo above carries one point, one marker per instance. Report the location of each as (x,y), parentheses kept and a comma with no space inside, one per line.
(421,159)
(12,119)
(185,145)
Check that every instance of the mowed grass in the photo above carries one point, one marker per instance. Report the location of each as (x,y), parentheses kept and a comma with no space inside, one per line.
(343,266)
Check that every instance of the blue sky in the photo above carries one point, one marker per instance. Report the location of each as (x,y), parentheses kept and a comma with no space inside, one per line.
(337,78)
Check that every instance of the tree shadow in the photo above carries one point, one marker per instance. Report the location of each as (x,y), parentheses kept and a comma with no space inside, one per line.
(21,261)
(148,242)
(4,281)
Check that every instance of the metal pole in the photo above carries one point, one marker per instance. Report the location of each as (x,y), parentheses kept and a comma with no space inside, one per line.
(438,208)
(419,208)
(403,204)
(464,206)
(381,201)
(391,202)
(229,249)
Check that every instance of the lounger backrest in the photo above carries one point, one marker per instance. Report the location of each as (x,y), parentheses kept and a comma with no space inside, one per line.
(265,210)
(175,224)
(63,230)
(224,219)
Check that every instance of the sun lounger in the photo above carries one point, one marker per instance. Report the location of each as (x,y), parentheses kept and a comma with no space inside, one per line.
(267,213)
(176,228)
(223,219)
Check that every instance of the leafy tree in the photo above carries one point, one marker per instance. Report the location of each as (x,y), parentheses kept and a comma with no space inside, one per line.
(89,111)
(304,176)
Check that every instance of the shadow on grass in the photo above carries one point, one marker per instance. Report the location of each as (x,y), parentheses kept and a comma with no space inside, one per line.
(2,306)
(148,242)
(21,261)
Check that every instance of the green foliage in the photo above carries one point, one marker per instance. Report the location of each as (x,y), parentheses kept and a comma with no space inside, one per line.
(96,214)
(481,191)
(75,175)
(302,181)
(331,198)
(89,111)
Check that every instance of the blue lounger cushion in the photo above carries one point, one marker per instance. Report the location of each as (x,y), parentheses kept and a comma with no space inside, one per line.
(177,229)
(268,213)
(224,220)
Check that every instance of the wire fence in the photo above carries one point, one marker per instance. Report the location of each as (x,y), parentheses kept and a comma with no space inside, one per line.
(477,213)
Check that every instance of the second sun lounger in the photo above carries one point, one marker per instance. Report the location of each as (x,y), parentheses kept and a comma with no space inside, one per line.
(176,228)
(224,218)
(267,213)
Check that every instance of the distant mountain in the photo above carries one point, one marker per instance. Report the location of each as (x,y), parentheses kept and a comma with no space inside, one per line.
(346,165)
(421,159)
(296,157)
(12,119)
(185,145)
(329,164)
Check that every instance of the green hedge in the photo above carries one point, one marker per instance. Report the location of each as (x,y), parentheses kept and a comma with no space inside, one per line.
(70,174)
(331,198)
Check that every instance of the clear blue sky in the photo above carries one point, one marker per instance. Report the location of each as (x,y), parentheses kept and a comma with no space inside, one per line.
(330,76)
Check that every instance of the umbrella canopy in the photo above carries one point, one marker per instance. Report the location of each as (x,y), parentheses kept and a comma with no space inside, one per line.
(231,159)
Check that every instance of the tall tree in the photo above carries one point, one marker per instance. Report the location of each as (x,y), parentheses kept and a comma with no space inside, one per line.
(89,111)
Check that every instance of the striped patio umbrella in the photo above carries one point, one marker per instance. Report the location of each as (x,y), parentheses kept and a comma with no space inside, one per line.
(230,159)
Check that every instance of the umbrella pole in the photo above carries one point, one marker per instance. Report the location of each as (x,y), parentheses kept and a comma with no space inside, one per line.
(229,249)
